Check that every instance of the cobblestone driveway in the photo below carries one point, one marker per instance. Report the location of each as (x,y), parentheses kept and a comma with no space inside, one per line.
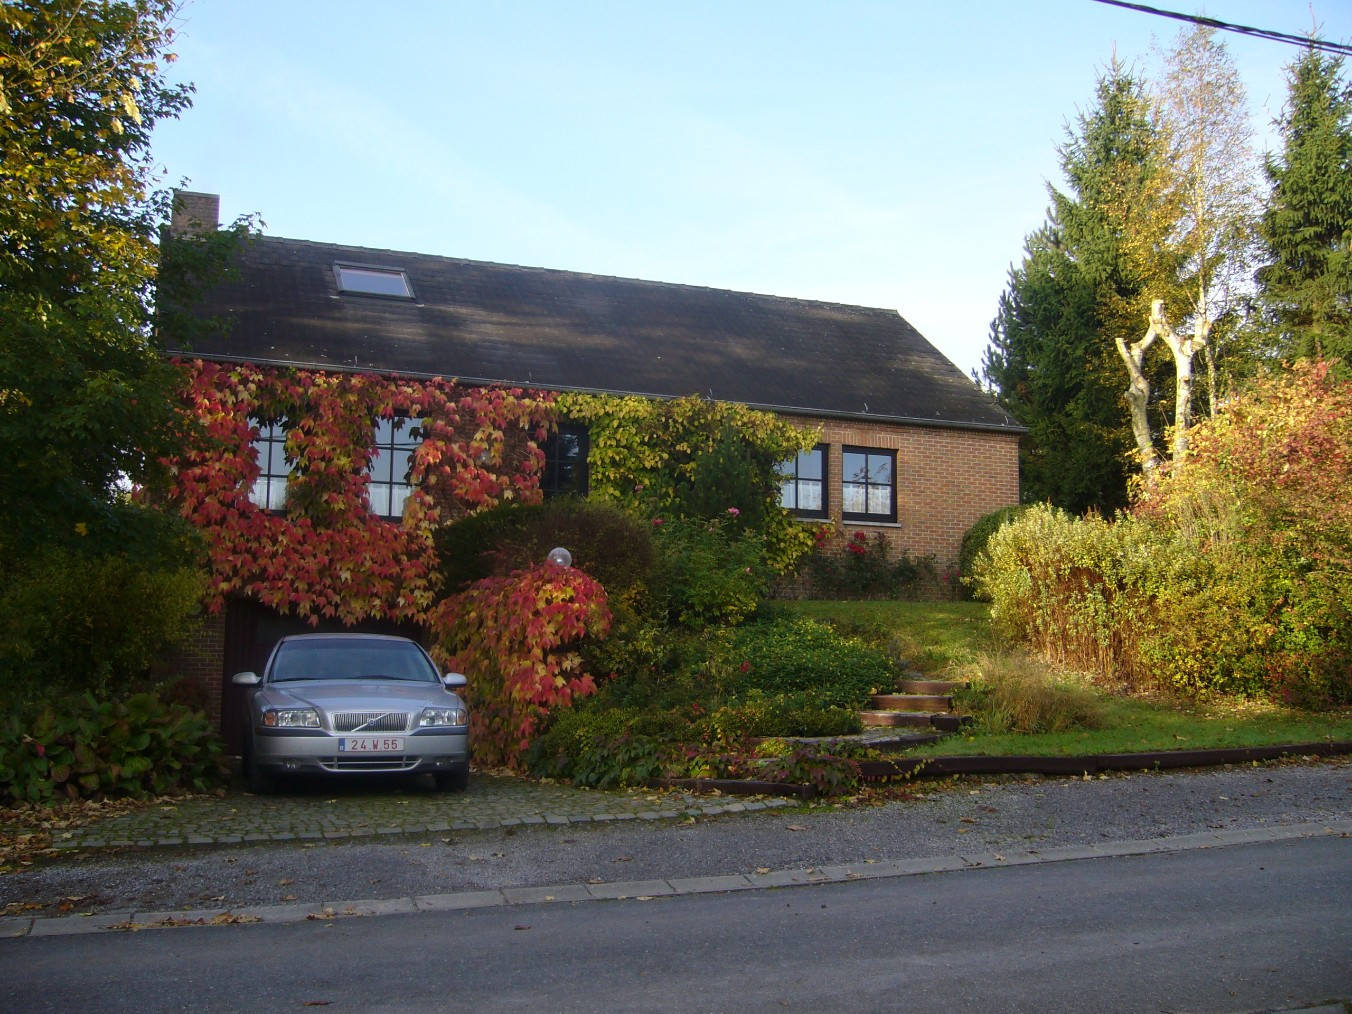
(328,811)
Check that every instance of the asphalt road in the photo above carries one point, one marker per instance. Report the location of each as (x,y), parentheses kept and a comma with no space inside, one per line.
(1244,928)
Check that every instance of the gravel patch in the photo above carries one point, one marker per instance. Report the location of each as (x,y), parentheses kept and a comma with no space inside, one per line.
(973,814)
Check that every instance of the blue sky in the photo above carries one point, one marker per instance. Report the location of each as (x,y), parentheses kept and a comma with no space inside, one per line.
(884,154)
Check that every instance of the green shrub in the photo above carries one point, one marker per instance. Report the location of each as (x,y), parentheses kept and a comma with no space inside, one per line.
(86,748)
(795,656)
(801,714)
(709,572)
(975,538)
(611,545)
(602,748)
(467,549)
(1078,592)
(71,622)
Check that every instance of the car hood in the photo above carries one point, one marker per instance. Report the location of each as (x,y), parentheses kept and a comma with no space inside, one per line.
(358,695)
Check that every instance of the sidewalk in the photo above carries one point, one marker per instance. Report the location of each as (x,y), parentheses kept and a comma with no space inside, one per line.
(307,812)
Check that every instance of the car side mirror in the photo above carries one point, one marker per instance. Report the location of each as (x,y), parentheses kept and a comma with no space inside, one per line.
(245,679)
(454,681)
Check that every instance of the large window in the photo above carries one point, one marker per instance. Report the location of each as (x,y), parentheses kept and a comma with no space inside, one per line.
(802,486)
(274,468)
(566,462)
(868,484)
(396,440)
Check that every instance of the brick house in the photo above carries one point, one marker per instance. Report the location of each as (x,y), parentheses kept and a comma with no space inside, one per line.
(909,446)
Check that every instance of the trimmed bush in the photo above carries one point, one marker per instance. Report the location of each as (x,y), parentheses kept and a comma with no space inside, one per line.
(85,749)
(801,714)
(515,637)
(798,656)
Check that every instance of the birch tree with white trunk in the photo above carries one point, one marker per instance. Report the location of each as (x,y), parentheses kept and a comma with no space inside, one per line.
(1189,229)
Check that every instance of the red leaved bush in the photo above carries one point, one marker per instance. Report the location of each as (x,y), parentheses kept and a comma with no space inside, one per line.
(510,636)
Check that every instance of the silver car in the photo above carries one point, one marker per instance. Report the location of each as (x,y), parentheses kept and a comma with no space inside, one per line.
(352,703)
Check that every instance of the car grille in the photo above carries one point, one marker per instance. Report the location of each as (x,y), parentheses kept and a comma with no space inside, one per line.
(396,763)
(370,721)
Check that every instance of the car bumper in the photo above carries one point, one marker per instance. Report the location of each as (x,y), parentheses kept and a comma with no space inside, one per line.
(320,754)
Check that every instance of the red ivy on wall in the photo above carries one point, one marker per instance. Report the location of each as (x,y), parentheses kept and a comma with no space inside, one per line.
(327,555)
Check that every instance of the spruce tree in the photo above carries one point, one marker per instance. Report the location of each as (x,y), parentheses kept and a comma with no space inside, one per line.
(1052,359)
(1306,230)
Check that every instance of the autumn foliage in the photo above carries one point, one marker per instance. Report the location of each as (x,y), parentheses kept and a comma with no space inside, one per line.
(514,637)
(327,555)
(1232,572)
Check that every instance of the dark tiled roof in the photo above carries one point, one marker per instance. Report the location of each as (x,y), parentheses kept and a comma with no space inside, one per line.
(562,330)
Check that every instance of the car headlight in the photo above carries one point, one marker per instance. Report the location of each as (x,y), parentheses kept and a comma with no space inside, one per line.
(442,716)
(291,718)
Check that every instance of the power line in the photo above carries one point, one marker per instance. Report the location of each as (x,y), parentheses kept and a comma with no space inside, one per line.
(1225,26)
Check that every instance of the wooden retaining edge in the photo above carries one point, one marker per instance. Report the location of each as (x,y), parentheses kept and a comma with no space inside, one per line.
(932,767)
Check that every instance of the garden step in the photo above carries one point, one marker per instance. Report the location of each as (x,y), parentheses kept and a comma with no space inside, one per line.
(912,702)
(927,686)
(950,723)
(895,719)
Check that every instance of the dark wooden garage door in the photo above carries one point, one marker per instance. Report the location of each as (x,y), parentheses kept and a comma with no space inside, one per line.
(251,632)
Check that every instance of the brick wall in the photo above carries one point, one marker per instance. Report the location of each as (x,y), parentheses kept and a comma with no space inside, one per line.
(200,661)
(946,479)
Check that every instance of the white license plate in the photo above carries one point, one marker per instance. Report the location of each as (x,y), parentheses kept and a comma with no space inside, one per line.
(371,744)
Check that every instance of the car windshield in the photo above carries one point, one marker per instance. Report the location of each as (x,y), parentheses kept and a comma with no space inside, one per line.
(341,659)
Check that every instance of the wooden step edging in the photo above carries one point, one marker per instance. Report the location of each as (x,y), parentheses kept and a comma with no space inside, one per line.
(938,767)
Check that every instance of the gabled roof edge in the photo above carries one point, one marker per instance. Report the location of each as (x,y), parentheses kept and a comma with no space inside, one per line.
(1012,428)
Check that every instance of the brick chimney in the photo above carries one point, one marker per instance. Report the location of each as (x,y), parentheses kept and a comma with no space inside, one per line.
(194,213)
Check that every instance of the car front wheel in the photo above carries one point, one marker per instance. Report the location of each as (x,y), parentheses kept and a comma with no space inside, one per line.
(256,779)
(455,780)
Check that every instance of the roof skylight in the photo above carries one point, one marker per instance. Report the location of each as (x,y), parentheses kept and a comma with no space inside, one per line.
(373,281)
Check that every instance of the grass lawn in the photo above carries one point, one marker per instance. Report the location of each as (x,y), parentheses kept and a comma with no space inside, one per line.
(948,638)
(932,636)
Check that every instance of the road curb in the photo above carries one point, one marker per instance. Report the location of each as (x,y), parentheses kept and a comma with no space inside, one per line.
(647,890)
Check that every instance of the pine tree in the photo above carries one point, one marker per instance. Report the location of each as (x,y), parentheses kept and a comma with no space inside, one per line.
(1306,230)
(1051,359)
